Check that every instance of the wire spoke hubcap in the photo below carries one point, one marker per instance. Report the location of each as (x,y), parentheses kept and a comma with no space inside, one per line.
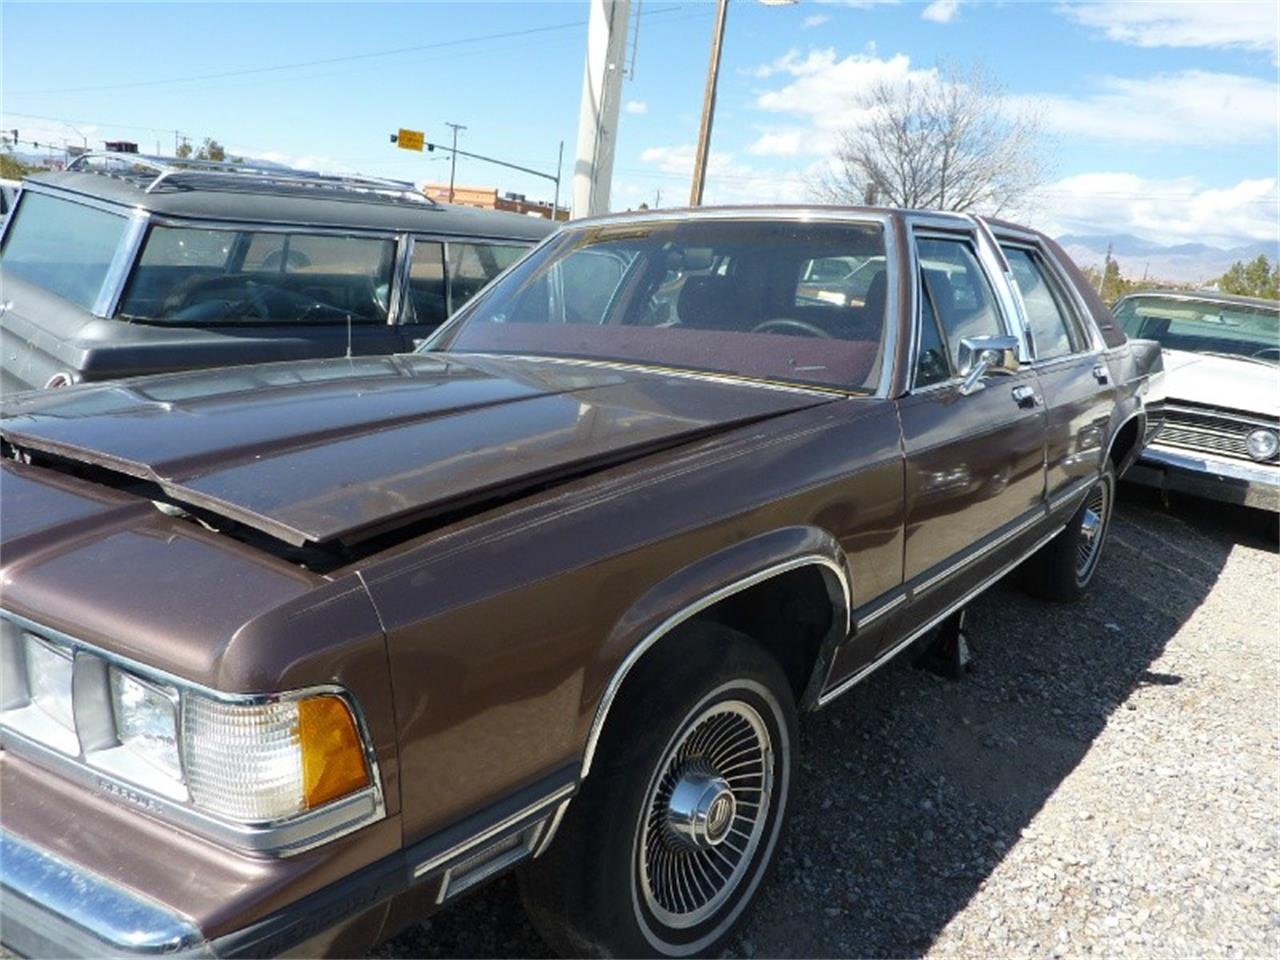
(705,814)
(1092,525)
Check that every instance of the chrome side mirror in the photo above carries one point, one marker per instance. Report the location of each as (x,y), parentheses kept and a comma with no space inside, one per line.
(983,356)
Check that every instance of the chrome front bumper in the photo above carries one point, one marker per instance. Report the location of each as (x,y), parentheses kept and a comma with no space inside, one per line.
(49,908)
(1206,475)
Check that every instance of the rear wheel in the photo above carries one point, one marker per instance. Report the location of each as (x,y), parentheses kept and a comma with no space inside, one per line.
(1063,569)
(666,844)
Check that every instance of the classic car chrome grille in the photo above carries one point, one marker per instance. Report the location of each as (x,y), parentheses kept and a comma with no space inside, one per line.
(1208,431)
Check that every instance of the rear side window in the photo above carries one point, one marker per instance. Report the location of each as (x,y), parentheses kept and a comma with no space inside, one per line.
(959,291)
(201,277)
(61,246)
(1052,332)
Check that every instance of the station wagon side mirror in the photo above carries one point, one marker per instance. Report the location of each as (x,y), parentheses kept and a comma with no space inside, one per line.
(981,357)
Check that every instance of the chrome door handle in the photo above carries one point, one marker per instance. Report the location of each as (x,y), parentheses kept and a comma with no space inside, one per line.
(1025,396)
(1100,373)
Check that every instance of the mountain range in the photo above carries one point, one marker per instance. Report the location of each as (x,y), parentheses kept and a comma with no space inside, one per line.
(1182,263)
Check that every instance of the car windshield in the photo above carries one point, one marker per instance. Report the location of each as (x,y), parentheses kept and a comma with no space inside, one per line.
(61,246)
(752,298)
(190,275)
(1198,326)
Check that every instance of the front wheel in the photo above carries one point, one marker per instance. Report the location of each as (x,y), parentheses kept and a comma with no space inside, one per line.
(673,830)
(1063,569)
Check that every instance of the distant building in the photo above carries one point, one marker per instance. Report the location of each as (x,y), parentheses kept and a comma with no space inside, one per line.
(121,146)
(488,198)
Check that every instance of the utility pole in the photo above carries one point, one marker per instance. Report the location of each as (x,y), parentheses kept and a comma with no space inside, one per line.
(453,161)
(708,107)
(601,100)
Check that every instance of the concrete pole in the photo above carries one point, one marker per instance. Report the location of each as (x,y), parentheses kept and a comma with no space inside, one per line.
(601,100)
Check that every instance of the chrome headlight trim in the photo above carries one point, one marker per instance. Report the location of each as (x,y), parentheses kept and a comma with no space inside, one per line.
(283,836)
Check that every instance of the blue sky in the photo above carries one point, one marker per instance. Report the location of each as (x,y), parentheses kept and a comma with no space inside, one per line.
(1160,119)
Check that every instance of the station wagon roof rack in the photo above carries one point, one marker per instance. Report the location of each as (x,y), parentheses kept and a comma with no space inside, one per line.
(153,174)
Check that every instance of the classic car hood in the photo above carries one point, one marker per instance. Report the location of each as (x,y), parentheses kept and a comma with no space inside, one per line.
(1222,382)
(337,450)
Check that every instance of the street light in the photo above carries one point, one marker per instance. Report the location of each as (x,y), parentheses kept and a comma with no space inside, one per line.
(709,98)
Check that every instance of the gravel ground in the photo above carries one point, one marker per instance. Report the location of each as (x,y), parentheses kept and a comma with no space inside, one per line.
(1106,781)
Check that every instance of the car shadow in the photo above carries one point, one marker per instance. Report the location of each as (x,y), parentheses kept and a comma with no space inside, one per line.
(912,788)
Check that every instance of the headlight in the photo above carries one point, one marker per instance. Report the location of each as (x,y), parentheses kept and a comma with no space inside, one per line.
(1262,444)
(147,721)
(249,768)
(49,669)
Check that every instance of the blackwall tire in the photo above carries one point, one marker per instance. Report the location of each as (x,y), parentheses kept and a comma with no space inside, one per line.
(1064,568)
(666,844)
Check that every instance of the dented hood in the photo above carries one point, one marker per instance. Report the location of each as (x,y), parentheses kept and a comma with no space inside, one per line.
(337,450)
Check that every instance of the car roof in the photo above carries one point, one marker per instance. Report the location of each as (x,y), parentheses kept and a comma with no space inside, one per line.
(1205,296)
(208,200)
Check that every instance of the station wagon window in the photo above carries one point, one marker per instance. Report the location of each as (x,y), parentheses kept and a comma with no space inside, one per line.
(1052,332)
(715,295)
(428,302)
(188,275)
(61,246)
(959,292)
(473,265)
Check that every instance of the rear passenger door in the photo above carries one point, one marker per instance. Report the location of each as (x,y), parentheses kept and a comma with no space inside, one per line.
(443,275)
(1072,370)
(974,463)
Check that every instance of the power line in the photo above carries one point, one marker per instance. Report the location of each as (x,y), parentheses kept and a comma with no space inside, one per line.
(221,75)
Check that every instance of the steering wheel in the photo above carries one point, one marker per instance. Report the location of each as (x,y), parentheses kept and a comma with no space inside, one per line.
(785,324)
(1258,353)
(234,291)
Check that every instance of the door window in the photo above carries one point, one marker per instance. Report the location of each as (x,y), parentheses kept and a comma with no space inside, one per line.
(428,303)
(931,360)
(1052,333)
(960,293)
(472,265)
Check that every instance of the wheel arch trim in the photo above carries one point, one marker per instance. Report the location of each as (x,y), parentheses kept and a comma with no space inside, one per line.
(1140,415)
(835,566)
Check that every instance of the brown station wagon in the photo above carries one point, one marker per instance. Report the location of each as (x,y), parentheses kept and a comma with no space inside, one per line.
(294,654)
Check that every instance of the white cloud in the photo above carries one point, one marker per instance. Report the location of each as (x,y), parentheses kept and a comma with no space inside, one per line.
(1248,24)
(637,108)
(1167,211)
(815,20)
(1191,108)
(820,90)
(941,11)
(780,143)
(729,180)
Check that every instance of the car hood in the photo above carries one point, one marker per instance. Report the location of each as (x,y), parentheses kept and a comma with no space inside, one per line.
(339,450)
(1243,385)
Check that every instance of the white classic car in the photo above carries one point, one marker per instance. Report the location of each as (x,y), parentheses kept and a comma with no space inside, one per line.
(1221,432)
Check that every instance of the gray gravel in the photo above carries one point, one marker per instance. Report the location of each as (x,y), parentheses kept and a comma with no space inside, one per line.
(1106,781)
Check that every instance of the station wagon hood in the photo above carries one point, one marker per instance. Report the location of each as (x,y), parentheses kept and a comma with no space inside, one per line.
(340,450)
(1244,385)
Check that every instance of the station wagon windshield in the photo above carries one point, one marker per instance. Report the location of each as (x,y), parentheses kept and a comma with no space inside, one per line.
(1225,329)
(755,299)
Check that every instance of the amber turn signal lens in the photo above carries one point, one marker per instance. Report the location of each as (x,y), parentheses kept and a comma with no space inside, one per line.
(333,763)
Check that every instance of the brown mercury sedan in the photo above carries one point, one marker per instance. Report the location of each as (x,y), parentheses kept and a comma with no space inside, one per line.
(295,654)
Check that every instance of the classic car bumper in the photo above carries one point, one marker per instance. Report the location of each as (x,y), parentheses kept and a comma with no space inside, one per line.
(1206,475)
(51,906)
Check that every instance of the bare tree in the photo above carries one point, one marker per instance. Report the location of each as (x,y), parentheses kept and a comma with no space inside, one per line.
(947,141)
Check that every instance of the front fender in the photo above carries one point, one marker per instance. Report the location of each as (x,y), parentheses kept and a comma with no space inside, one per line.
(693,588)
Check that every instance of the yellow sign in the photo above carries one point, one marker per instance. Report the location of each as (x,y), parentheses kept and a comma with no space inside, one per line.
(409,139)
